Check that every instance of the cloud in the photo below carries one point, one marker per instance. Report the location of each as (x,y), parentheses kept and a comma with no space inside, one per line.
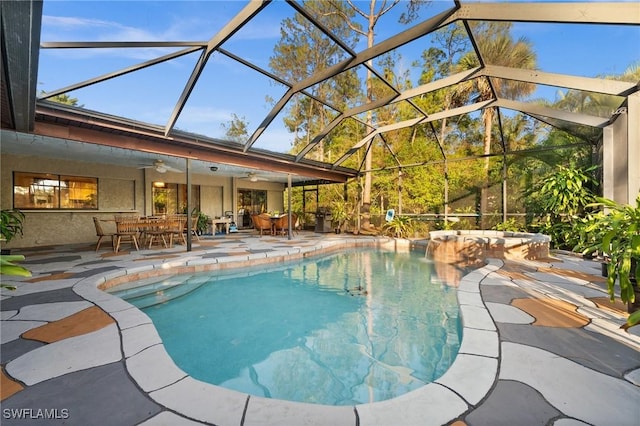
(71,23)
(57,28)
(87,29)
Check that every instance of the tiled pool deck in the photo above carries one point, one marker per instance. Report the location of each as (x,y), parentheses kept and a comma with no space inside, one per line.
(541,345)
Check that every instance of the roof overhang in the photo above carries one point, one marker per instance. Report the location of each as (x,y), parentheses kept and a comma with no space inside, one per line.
(66,122)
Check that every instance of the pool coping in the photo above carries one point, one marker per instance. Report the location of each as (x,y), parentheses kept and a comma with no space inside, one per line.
(151,367)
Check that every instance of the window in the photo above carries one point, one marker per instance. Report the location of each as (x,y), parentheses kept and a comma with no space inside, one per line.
(47,191)
(171,198)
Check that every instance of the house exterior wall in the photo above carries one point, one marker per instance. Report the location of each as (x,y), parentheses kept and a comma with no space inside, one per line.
(120,190)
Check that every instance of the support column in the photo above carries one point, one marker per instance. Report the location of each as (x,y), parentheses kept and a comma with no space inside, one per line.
(633,158)
(608,165)
(621,154)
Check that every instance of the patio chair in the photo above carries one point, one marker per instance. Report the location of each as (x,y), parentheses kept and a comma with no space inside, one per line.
(127,228)
(281,225)
(100,233)
(194,227)
(175,228)
(157,229)
(262,223)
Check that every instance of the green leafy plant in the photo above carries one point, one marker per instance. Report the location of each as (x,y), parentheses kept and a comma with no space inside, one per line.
(202,223)
(338,215)
(617,235)
(510,225)
(399,227)
(558,203)
(566,191)
(8,266)
(11,223)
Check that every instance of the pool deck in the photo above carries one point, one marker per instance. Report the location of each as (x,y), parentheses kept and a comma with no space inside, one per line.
(541,346)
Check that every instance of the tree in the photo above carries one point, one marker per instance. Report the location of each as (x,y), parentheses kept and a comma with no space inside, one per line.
(438,62)
(372,16)
(497,47)
(62,99)
(236,129)
(303,50)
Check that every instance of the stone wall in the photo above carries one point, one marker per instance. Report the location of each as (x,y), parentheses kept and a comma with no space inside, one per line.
(472,247)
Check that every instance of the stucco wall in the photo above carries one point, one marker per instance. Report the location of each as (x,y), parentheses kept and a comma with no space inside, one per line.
(120,190)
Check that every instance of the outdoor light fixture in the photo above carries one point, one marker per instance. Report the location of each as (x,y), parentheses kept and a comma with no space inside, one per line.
(158,184)
(213,168)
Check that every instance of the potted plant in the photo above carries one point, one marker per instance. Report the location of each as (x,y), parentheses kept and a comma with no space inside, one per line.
(202,224)
(11,222)
(338,215)
(617,236)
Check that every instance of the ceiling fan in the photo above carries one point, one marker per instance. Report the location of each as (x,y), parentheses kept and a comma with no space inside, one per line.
(161,167)
(253,177)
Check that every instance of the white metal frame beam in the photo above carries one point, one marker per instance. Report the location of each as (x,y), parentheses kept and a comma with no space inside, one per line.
(624,13)
(597,85)
(385,46)
(234,25)
(533,109)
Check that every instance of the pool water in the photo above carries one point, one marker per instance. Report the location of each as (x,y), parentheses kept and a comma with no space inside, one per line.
(355,327)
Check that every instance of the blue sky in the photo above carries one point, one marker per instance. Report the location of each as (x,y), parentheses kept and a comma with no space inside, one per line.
(226,88)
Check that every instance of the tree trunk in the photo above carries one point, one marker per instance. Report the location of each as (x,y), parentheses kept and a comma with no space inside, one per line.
(484,191)
(366,196)
(443,129)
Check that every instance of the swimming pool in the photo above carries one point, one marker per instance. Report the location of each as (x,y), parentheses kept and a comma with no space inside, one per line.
(354,327)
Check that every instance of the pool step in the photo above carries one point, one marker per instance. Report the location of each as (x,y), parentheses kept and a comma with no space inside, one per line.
(147,295)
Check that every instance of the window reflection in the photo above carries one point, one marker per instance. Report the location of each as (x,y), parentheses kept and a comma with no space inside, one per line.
(49,191)
(171,198)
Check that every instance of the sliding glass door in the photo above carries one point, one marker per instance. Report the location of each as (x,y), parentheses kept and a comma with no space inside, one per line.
(250,201)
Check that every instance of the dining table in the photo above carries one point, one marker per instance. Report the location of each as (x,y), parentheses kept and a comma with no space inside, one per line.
(274,220)
(224,222)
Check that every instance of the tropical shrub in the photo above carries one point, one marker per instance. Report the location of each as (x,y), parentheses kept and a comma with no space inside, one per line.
(11,223)
(202,223)
(558,203)
(8,266)
(399,227)
(616,233)
(510,225)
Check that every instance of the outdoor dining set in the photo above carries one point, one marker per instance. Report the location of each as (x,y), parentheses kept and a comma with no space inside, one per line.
(274,224)
(145,231)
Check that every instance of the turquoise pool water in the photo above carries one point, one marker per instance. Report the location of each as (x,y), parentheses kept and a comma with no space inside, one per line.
(348,328)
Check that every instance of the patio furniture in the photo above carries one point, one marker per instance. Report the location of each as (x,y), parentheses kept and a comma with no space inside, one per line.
(262,222)
(194,227)
(100,233)
(175,228)
(126,228)
(223,222)
(156,229)
(281,224)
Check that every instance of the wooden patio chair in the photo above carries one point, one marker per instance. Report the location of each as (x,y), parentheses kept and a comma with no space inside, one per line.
(175,228)
(194,227)
(282,224)
(127,228)
(262,223)
(157,229)
(100,233)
